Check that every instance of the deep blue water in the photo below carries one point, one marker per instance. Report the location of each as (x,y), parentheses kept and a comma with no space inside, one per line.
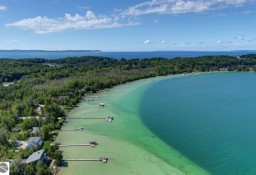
(209,118)
(118,55)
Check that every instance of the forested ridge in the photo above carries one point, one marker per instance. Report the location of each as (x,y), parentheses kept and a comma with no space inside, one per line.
(59,84)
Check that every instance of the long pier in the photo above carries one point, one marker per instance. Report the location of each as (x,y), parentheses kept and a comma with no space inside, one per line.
(82,160)
(76,129)
(108,118)
(75,145)
(91,144)
(85,118)
(102,159)
(71,130)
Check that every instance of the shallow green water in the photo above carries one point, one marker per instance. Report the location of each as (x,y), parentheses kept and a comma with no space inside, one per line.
(130,146)
(210,118)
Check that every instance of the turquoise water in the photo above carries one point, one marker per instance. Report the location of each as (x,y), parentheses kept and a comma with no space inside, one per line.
(129,145)
(209,118)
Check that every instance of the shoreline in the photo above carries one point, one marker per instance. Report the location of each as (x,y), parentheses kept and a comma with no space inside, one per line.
(139,145)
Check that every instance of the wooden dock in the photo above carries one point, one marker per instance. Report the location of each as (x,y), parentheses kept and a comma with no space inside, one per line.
(108,118)
(75,145)
(82,160)
(91,144)
(102,159)
(85,118)
(70,130)
(76,129)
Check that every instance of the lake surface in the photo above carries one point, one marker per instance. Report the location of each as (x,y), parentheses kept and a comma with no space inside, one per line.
(127,142)
(209,118)
(18,54)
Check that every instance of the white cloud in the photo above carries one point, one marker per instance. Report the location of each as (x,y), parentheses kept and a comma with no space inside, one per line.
(220,42)
(14,41)
(240,37)
(163,42)
(223,42)
(180,6)
(247,12)
(147,41)
(43,25)
(2,8)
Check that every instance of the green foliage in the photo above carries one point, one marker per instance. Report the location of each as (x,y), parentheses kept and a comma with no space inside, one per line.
(3,137)
(42,169)
(17,167)
(29,123)
(30,169)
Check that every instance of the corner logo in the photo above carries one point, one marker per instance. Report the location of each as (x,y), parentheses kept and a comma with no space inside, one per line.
(4,168)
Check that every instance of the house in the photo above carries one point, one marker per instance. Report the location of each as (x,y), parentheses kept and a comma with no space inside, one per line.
(33,117)
(36,156)
(39,109)
(34,142)
(21,144)
(82,91)
(16,129)
(63,98)
(36,130)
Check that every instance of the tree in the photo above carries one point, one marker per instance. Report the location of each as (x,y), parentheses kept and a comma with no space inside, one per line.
(3,137)
(58,156)
(42,169)
(30,169)
(17,168)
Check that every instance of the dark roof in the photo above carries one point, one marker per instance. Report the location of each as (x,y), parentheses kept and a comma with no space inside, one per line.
(36,130)
(38,155)
(34,141)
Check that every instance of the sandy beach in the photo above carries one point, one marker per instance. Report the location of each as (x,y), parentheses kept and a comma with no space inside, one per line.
(129,145)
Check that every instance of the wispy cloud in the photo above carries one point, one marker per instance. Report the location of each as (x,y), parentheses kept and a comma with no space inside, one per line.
(2,8)
(163,42)
(43,25)
(240,37)
(180,6)
(147,41)
(14,41)
(247,12)
(220,42)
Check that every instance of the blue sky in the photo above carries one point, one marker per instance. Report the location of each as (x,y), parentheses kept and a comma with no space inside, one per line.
(128,25)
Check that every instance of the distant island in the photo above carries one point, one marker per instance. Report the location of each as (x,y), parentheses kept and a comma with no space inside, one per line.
(36,94)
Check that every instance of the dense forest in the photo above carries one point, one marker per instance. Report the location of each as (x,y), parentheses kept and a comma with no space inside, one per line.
(48,88)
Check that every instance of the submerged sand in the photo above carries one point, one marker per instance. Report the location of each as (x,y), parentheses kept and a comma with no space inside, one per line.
(129,145)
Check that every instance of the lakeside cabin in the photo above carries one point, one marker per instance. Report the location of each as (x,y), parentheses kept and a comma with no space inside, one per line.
(36,156)
(34,142)
(36,130)
(102,105)
(109,119)
(33,117)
